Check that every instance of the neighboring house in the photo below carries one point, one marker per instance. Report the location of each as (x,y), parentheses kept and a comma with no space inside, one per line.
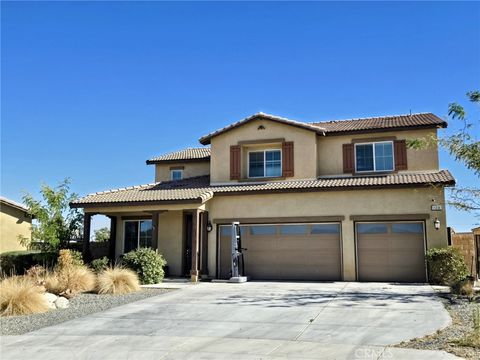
(14,221)
(469,245)
(339,200)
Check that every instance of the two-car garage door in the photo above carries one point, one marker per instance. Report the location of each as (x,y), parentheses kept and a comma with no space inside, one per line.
(286,251)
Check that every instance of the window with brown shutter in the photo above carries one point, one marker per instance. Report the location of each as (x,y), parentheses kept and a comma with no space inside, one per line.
(235,162)
(287,159)
(400,152)
(348,161)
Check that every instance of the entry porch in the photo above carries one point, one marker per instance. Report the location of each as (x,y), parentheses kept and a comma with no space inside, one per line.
(178,232)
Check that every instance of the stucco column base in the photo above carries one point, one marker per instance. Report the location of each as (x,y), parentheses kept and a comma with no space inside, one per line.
(194,274)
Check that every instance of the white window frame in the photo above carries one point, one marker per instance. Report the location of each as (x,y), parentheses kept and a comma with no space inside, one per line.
(173,170)
(374,162)
(138,231)
(264,164)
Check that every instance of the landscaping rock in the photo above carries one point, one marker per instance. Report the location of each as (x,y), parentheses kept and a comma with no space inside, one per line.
(51,298)
(62,303)
(51,306)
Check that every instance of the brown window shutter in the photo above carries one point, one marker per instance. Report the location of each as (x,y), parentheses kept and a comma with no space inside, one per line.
(400,153)
(235,164)
(287,159)
(348,161)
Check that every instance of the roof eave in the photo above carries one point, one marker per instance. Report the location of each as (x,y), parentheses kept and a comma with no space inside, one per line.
(135,203)
(170,161)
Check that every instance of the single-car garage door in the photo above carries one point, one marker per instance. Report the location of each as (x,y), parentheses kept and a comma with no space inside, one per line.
(391,251)
(285,251)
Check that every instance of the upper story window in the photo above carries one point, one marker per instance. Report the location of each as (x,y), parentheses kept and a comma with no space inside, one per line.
(375,156)
(265,163)
(176,174)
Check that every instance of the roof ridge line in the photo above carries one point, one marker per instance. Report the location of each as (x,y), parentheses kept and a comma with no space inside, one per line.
(121,189)
(370,117)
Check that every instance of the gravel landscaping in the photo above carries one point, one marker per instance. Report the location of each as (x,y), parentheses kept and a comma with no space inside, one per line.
(461,312)
(81,305)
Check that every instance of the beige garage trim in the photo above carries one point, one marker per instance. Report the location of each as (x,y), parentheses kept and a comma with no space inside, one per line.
(298,251)
(391,251)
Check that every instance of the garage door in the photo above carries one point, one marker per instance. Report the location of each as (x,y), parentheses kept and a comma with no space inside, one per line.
(391,251)
(286,251)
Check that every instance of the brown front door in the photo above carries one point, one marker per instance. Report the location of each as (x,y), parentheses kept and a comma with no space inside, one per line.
(391,251)
(187,248)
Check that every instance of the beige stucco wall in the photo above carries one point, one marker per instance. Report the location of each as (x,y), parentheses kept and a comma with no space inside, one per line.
(304,148)
(191,169)
(170,242)
(13,223)
(343,203)
(170,239)
(330,157)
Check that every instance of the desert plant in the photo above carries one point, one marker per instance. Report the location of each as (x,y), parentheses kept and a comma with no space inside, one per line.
(117,280)
(446,266)
(476,319)
(66,259)
(147,263)
(71,281)
(19,297)
(69,278)
(98,265)
(36,274)
(77,258)
(463,287)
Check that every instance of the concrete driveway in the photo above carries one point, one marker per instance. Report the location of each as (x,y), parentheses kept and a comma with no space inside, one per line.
(256,320)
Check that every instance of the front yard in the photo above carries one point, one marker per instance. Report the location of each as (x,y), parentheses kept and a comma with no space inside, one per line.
(462,337)
(81,305)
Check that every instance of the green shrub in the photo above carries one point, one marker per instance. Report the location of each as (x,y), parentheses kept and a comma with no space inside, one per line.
(18,262)
(98,265)
(446,266)
(77,258)
(147,263)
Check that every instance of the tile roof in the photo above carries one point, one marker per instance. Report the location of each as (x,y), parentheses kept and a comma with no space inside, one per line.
(337,126)
(4,200)
(198,189)
(381,122)
(185,154)
(205,140)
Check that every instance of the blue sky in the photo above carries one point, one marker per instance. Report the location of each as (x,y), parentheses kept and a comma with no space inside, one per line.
(91,90)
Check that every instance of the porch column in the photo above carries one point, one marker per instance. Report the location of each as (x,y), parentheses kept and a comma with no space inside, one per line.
(113,238)
(87,219)
(195,245)
(155,228)
(204,244)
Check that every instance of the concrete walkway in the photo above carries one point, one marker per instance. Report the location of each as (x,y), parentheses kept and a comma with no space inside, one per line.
(256,320)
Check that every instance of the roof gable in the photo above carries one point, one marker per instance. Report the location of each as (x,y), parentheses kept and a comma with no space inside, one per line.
(205,140)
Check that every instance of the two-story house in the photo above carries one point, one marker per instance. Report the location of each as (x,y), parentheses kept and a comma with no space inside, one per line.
(338,200)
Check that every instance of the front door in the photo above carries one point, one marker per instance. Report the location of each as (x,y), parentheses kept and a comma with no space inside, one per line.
(187,248)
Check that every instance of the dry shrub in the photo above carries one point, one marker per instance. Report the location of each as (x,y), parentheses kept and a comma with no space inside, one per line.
(19,296)
(117,281)
(65,259)
(70,281)
(36,274)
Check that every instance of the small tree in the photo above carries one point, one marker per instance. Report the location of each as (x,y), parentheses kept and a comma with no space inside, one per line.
(102,234)
(464,146)
(55,223)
